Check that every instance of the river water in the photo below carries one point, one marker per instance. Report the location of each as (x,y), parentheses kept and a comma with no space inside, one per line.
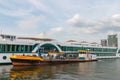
(105,69)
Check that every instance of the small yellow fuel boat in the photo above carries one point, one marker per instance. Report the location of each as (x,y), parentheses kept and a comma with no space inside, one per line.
(52,58)
(26,60)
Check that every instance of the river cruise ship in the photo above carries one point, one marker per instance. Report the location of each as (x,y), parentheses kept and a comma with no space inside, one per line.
(10,44)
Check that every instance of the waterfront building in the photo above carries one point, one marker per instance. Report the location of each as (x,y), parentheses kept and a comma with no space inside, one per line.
(112,40)
(104,42)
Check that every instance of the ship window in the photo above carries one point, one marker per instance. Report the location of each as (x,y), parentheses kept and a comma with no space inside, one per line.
(8,48)
(22,48)
(75,48)
(68,48)
(13,48)
(91,49)
(0,47)
(83,48)
(71,48)
(30,48)
(98,49)
(26,48)
(3,48)
(79,48)
(63,48)
(105,49)
(18,48)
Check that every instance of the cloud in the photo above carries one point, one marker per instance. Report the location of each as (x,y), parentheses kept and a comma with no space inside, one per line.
(96,26)
(21,8)
(37,4)
(74,20)
(116,16)
(55,30)
(30,22)
(15,8)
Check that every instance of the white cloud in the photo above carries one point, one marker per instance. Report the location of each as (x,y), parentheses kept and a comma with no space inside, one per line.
(42,35)
(15,8)
(55,32)
(74,19)
(19,12)
(100,25)
(30,22)
(77,30)
(57,29)
(22,8)
(116,16)
(39,5)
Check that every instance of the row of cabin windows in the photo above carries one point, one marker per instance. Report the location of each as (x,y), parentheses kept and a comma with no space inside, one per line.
(105,54)
(15,48)
(64,48)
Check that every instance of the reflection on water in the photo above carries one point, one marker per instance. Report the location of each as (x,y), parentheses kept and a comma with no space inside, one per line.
(4,72)
(101,70)
(50,72)
(39,72)
(24,72)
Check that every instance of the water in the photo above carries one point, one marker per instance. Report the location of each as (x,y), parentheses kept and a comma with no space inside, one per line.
(105,69)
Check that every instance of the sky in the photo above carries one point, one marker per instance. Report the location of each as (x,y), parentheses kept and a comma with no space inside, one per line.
(80,20)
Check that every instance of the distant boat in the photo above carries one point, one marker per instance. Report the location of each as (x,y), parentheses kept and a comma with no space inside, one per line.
(52,58)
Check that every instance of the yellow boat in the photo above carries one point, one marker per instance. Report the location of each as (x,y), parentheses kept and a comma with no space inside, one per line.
(52,58)
(26,60)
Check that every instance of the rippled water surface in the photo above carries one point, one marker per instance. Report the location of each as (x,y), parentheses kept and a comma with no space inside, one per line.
(105,69)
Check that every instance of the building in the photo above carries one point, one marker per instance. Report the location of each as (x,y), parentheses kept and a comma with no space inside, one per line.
(112,40)
(104,42)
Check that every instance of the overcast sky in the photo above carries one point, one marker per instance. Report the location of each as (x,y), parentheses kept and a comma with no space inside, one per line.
(89,20)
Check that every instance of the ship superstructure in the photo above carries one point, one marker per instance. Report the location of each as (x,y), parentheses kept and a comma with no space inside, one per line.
(73,47)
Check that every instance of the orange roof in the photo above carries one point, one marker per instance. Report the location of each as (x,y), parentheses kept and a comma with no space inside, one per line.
(30,38)
(84,42)
(71,41)
(93,43)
